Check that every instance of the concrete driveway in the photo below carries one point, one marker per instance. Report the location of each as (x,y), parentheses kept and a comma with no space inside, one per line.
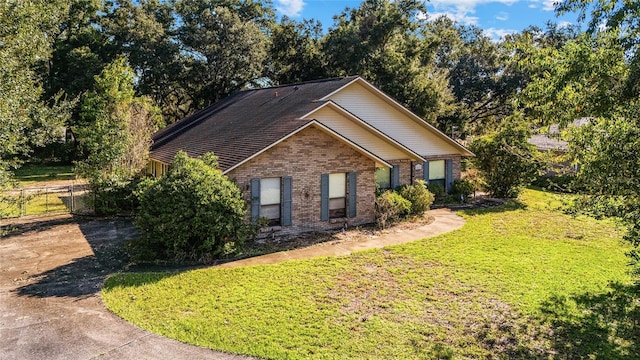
(51,273)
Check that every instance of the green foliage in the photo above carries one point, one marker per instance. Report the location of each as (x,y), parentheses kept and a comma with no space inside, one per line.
(462,189)
(506,161)
(192,214)
(390,207)
(381,41)
(438,191)
(607,151)
(26,120)
(418,195)
(115,134)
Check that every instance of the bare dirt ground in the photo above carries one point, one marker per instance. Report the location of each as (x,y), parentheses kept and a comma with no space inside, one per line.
(51,272)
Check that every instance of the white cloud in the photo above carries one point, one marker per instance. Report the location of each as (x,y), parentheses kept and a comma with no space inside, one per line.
(564,24)
(502,16)
(549,5)
(461,11)
(290,7)
(498,34)
(455,16)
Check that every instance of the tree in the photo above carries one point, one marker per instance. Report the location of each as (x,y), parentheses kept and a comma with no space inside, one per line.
(26,120)
(145,32)
(620,17)
(115,133)
(381,40)
(295,53)
(193,213)
(505,159)
(226,47)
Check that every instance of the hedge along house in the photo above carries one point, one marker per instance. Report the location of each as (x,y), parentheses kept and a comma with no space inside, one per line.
(309,156)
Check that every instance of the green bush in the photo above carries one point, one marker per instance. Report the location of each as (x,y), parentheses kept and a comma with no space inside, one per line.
(115,197)
(390,207)
(438,191)
(192,214)
(418,195)
(462,189)
(506,161)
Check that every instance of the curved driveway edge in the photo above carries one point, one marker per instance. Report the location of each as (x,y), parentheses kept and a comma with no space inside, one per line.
(444,220)
(51,274)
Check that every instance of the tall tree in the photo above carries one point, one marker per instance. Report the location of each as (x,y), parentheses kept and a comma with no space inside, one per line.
(381,41)
(226,46)
(621,17)
(145,32)
(25,119)
(116,128)
(295,52)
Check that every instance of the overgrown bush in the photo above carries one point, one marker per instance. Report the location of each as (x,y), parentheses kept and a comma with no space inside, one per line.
(192,214)
(438,191)
(115,197)
(462,189)
(418,195)
(506,161)
(390,206)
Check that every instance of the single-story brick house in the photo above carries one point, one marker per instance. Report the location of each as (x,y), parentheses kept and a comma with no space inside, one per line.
(309,156)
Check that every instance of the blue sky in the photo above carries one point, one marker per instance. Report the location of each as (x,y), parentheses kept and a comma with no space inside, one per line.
(496,17)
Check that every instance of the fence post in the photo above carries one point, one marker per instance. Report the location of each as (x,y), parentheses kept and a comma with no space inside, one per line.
(46,200)
(71,200)
(23,203)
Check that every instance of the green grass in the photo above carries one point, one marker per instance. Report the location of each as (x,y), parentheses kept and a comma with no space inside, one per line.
(31,174)
(519,281)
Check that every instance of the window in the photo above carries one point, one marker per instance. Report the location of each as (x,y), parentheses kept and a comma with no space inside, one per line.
(270,200)
(337,195)
(383,178)
(437,173)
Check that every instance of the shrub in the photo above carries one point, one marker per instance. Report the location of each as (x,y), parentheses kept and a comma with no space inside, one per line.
(438,191)
(193,213)
(390,206)
(418,195)
(506,161)
(462,189)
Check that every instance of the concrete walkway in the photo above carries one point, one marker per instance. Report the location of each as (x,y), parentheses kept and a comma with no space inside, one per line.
(445,221)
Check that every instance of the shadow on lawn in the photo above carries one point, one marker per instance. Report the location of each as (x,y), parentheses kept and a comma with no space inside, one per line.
(604,326)
(489,205)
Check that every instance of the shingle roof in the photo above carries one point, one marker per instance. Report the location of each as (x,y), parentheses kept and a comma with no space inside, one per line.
(244,123)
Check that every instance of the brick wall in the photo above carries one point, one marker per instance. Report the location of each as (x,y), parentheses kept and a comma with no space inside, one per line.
(304,157)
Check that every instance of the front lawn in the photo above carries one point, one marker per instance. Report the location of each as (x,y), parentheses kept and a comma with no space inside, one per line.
(521,280)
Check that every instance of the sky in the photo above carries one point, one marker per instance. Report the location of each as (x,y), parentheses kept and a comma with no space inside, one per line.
(496,17)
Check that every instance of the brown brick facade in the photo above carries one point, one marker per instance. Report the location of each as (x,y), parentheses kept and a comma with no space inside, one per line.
(304,157)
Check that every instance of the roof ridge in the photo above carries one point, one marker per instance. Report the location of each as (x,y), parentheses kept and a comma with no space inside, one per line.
(337,78)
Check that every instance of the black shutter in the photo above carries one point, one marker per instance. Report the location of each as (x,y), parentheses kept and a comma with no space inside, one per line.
(395,176)
(287,189)
(324,197)
(255,199)
(449,174)
(425,171)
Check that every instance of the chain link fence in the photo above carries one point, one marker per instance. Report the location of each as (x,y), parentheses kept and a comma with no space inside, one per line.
(46,200)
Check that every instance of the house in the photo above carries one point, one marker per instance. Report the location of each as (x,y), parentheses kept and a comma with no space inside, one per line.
(309,156)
